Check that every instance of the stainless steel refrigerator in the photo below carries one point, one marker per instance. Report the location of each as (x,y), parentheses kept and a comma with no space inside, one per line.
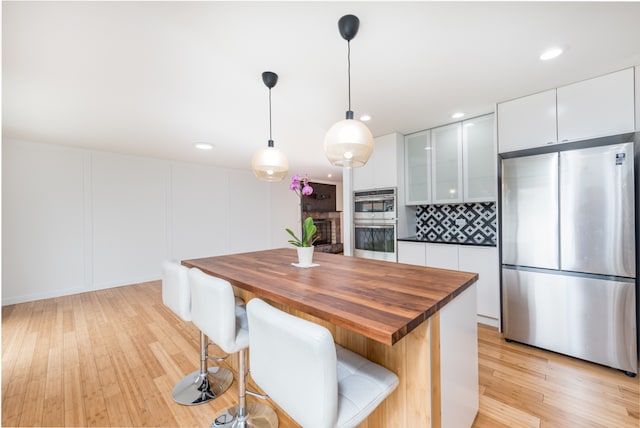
(569,251)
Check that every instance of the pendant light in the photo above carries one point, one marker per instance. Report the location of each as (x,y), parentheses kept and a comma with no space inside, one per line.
(270,164)
(348,143)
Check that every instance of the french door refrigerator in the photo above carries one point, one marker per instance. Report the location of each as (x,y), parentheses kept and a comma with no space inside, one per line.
(568,252)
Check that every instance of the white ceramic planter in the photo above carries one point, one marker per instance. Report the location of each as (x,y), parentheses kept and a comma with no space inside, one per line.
(305,256)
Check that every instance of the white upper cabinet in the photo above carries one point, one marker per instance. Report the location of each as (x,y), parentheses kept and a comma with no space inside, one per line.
(527,122)
(381,169)
(418,168)
(479,159)
(452,164)
(592,108)
(638,98)
(596,107)
(446,149)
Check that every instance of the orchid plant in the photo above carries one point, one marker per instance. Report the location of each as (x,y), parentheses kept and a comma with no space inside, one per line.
(301,187)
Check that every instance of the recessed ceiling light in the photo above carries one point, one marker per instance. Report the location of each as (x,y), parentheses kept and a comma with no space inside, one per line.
(550,54)
(468,124)
(329,176)
(204,146)
(457,115)
(365,117)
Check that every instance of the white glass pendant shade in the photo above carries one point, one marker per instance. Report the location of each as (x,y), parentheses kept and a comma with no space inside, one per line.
(270,164)
(348,143)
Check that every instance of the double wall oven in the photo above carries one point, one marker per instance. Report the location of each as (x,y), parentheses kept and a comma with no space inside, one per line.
(375,224)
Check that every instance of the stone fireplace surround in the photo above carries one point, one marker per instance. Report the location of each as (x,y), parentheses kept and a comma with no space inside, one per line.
(336,245)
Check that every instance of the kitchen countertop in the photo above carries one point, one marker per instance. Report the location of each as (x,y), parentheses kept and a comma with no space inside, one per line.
(379,300)
(486,243)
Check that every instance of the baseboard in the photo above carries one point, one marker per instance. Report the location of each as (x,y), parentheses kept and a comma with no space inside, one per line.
(60,293)
(493,322)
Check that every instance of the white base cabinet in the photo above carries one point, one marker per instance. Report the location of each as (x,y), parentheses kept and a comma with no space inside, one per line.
(484,261)
(441,256)
(468,258)
(412,253)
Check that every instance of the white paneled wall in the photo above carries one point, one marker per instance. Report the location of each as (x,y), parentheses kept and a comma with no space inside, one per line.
(43,247)
(199,214)
(129,218)
(77,220)
(249,228)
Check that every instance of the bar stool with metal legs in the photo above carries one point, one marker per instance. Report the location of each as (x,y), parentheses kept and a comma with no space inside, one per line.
(226,324)
(207,383)
(318,383)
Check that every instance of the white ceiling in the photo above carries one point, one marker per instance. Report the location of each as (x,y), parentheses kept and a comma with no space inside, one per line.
(153,78)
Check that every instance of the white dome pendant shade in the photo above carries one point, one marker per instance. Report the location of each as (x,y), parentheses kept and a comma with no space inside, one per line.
(270,164)
(348,143)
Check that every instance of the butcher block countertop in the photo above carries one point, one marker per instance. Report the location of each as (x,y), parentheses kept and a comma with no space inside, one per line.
(380,300)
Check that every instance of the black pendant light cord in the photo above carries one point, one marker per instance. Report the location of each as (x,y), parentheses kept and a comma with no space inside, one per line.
(349,70)
(270,137)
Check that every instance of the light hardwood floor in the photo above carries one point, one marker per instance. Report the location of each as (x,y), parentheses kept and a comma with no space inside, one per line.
(112,357)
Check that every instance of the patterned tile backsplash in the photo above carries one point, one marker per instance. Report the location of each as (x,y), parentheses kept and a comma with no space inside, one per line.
(462,223)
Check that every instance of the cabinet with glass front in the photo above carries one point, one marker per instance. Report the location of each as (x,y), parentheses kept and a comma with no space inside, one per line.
(452,164)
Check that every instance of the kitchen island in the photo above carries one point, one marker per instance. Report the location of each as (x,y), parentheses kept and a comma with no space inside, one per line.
(418,322)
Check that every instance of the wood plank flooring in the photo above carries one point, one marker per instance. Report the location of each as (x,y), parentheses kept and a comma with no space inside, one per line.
(112,357)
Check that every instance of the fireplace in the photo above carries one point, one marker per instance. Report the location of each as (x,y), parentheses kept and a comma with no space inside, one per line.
(323,233)
(321,206)
(329,232)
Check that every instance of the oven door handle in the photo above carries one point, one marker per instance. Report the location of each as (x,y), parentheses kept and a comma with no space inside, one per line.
(374,226)
(373,198)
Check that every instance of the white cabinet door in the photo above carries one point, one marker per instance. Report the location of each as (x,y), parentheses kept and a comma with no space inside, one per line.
(418,168)
(363,176)
(637,98)
(479,159)
(596,107)
(386,163)
(381,169)
(446,148)
(412,253)
(443,256)
(483,261)
(527,122)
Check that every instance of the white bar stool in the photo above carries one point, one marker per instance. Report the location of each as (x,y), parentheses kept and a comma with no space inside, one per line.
(318,383)
(226,324)
(207,383)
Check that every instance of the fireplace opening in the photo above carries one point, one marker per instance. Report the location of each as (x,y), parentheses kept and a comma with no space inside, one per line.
(323,231)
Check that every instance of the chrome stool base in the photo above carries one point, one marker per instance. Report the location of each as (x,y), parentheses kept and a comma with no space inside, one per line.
(259,416)
(197,389)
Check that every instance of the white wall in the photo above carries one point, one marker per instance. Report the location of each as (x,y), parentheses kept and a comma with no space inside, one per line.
(128,218)
(77,220)
(43,247)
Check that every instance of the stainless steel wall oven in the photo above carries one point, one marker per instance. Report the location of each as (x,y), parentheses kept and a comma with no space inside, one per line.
(375,224)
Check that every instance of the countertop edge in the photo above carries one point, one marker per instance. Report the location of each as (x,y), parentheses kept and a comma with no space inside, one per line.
(428,241)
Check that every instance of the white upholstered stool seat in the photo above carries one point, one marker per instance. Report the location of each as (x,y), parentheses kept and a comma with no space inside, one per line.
(207,383)
(318,383)
(226,324)
(362,386)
